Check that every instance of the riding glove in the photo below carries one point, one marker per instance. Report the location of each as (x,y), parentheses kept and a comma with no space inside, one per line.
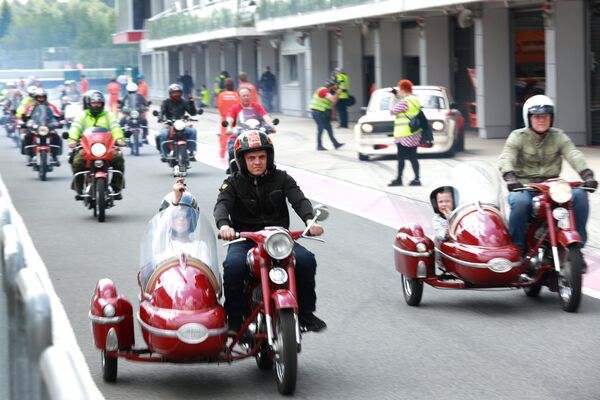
(588,177)
(512,182)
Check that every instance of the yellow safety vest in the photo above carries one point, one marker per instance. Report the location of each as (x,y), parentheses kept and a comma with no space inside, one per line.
(401,128)
(86,120)
(320,103)
(343,82)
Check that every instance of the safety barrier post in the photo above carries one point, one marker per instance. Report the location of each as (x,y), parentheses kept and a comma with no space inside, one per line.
(37,321)
(60,375)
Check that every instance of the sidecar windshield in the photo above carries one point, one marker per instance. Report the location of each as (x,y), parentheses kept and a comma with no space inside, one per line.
(173,231)
(478,181)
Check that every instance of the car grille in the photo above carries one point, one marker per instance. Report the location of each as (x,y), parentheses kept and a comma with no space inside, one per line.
(382,127)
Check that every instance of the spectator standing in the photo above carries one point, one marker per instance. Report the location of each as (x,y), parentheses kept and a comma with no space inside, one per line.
(343,81)
(320,106)
(84,84)
(219,85)
(113,88)
(205,97)
(187,82)
(268,87)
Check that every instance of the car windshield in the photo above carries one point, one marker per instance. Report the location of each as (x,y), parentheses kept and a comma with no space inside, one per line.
(380,100)
(174,231)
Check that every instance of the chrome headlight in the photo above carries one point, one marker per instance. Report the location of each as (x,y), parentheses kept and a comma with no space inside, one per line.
(560,213)
(367,128)
(499,265)
(98,150)
(43,130)
(421,247)
(98,163)
(179,125)
(192,333)
(279,245)
(109,310)
(278,275)
(134,114)
(437,126)
(561,192)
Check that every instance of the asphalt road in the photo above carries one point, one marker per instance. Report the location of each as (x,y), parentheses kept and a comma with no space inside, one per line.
(456,345)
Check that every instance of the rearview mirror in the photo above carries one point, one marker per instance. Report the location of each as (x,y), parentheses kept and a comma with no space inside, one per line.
(321,212)
(200,111)
(65,135)
(148,103)
(155,113)
(224,124)
(127,134)
(276,121)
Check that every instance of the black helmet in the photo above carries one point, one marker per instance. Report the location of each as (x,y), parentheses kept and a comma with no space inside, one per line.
(253,141)
(443,189)
(93,96)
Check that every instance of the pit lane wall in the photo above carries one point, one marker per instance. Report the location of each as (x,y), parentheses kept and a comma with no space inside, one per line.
(32,365)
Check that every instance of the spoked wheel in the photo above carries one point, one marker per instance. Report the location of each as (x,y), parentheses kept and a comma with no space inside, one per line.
(182,159)
(569,280)
(100,199)
(109,367)
(286,352)
(413,290)
(43,165)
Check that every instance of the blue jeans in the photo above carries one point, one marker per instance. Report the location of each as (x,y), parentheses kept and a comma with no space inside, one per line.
(190,134)
(235,273)
(342,110)
(323,120)
(520,210)
(267,100)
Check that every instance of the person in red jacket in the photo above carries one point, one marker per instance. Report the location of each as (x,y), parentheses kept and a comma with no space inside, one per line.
(227,98)
(41,112)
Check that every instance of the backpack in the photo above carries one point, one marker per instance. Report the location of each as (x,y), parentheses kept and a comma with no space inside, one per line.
(420,121)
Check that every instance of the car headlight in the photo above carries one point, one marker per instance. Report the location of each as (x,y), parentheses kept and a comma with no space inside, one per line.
(437,125)
(279,245)
(134,114)
(560,192)
(367,128)
(109,310)
(98,150)
(43,130)
(278,275)
(499,265)
(179,125)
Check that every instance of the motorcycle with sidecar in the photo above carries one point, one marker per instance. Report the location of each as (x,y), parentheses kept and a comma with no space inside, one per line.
(479,253)
(180,314)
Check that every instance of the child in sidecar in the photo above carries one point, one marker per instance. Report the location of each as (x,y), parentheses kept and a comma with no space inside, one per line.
(443,200)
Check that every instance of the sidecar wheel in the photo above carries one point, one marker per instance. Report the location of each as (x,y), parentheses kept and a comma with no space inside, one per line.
(286,352)
(413,290)
(569,280)
(109,368)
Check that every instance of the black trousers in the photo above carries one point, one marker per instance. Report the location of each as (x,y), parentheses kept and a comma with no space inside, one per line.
(407,153)
(235,273)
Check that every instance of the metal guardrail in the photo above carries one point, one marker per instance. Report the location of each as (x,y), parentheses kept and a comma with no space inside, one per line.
(37,369)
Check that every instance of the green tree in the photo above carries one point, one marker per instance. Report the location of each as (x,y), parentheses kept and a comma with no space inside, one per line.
(5,18)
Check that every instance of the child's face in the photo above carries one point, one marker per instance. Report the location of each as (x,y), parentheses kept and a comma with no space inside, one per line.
(444,202)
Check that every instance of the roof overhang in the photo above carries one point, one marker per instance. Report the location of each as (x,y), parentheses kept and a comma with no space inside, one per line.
(218,34)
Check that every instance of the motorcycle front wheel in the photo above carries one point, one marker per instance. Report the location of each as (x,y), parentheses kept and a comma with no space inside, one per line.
(569,279)
(101,199)
(413,290)
(43,165)
(182,159)
(286,352)
(135,145)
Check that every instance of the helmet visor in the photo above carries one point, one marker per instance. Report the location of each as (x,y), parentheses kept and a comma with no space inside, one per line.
(541,109)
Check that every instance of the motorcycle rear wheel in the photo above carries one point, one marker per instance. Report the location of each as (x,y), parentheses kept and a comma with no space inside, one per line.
(109,367)
(413,290)
(101,199)
(569,280)
(43,165)
(135,145)
(286,354)
(182,159)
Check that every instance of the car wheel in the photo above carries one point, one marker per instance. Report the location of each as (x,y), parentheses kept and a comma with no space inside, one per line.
(363,157)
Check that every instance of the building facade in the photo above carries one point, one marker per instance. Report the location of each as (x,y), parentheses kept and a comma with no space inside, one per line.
(492,55)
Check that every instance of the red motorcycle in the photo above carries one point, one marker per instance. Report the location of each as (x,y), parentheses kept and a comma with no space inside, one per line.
(479,252)
(41,144)
(97,147)
(180,316)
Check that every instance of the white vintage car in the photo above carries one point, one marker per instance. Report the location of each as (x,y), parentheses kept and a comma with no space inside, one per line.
(374,130)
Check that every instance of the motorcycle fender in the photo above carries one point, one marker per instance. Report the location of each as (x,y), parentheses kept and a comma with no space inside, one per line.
(100,174)
(568,237)
(284,299)
(40,148)
(181,143)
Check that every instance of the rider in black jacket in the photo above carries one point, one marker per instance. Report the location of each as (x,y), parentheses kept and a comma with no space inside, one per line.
(174,108)
(251,199)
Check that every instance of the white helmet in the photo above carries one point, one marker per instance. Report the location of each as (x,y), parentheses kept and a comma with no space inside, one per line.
(131,87)
(31,90)
(538,104)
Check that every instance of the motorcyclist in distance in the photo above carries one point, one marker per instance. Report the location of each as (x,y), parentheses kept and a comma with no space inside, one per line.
(173,108)
(250,110)
(43,113)
(250,200)
(135,102)
(94,114)
(27,100)
(534,154)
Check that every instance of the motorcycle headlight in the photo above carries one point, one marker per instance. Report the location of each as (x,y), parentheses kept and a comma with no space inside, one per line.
(437,126)
(421,247)
(367,128)
(179,125)
(109,310)
(98,150)
(278,275)
(134,114)
(43,130)
(279,245)
(98,163)
(561,192)
(560,213)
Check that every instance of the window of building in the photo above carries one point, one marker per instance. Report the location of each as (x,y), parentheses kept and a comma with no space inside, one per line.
(290,65)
